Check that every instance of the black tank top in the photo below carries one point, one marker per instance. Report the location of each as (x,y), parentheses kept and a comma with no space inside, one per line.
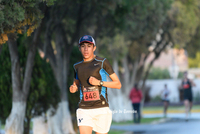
(187,87)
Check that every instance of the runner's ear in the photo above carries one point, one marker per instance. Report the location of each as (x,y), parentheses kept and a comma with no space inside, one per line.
(79,47)
(94,48)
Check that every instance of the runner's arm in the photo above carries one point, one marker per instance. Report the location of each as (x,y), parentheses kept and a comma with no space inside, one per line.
(193,84)
(74,87)
(115,83)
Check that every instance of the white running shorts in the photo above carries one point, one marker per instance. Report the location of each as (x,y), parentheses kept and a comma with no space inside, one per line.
(98,118)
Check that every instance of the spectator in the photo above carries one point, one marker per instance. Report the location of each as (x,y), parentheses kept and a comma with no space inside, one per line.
(136,97)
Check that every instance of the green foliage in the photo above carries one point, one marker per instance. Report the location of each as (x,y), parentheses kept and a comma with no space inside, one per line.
(185,15)
(129,25)
(73,98)
(194,62)
(155,99)
(143,23)
(157,73)
(112,47)
(193,46)
(44,91)
(180,75)
(146,17)
(16,14)
(5,83)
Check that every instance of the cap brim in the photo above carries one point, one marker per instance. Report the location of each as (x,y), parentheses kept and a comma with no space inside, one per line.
(86,41)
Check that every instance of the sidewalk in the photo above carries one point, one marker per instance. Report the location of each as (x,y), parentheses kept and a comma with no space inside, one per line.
(169,111)
(173,115)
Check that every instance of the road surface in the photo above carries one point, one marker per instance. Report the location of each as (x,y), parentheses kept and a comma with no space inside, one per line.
(175,124)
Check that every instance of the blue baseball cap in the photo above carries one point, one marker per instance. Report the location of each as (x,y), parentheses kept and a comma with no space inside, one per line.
(87,38)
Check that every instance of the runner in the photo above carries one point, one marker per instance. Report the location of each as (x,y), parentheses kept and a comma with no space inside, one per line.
(165,98)
(90,77)
(187,93)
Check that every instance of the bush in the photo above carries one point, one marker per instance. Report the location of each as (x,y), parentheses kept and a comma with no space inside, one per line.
(158,73)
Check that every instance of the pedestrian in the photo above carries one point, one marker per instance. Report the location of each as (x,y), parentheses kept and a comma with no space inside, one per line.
(165,98)
(136,97)
(187,94)
(90,78)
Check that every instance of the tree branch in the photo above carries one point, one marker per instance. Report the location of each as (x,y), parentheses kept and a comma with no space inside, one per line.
(30,60)
(15,68)
(47,47)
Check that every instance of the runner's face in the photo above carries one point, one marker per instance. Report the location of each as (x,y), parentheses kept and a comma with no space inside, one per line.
(87,50)
(185,75)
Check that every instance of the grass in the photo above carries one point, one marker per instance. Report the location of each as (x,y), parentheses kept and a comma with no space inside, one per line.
(113,132)
(2,126)
(143,121)
(116,132)
(171,109)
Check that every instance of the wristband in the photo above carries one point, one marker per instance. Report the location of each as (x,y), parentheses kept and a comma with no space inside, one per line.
(101,83)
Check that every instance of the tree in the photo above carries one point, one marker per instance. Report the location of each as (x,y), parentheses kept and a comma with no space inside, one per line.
(15,15)
(184,15)
(44,92)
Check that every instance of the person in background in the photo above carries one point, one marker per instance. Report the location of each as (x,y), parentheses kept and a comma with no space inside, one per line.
(136,97)
(165,98)
(187,93)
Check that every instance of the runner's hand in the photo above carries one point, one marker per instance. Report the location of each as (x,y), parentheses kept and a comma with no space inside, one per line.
(73,88)
(93,81)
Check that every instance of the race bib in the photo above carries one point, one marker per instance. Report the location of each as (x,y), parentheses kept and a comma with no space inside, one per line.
(91,93)
(186,86)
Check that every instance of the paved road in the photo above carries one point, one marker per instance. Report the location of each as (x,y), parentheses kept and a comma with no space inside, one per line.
(174,125)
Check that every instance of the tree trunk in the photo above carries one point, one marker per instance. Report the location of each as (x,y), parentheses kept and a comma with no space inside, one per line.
(61,122)
(39,125)
(118,102)
(15,121)
(129,78)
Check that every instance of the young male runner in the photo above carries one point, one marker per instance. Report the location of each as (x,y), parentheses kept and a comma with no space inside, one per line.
(188,97)
(90,77)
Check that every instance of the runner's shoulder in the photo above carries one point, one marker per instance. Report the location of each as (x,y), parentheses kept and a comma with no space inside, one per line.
(77,63)
(100,58)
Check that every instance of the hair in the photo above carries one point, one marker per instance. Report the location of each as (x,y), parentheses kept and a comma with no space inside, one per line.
(136,86)
(185,72)
(86,42)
